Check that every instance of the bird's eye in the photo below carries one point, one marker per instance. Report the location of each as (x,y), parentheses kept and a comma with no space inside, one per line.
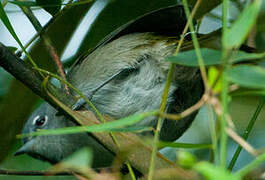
(40,120)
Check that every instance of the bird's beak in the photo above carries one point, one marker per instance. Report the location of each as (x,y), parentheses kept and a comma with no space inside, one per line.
(25,148)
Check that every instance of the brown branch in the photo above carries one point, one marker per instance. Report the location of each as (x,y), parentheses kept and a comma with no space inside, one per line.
(242,142)
(34,173)
(47,173)
(188,111)
(19,69)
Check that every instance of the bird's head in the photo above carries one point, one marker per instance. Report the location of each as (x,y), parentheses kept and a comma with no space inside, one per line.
(54,148)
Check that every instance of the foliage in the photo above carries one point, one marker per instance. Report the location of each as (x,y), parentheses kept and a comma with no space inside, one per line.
(229,69)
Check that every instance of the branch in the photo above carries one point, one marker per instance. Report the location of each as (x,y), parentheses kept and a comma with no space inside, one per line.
(34,173)
(47,173)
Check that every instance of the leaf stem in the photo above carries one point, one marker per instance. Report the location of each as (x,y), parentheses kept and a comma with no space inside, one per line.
(212,129)
(196,44)
(224,93)
(159,121)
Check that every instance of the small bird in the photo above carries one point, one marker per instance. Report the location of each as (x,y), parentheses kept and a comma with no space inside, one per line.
(121,78)
(124,76)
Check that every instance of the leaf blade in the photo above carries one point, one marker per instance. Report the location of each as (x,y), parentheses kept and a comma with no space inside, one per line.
(247,76)
(242,26)
(211,57)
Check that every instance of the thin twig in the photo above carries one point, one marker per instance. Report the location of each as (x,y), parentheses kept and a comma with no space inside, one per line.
(196,43)
(213,133)
(188,111)
(241,141)
(46,173)
(52,51)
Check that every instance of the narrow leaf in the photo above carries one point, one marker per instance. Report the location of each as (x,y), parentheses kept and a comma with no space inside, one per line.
(8,25)
(247,92)
(213,73)
(24,3)
(105,127)
(247,76)
(211,57)
(162,144)
(237,34)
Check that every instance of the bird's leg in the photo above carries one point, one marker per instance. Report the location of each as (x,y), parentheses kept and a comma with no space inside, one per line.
(82,102)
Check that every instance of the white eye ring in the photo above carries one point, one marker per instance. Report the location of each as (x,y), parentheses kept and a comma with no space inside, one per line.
(34,120)
(38,121)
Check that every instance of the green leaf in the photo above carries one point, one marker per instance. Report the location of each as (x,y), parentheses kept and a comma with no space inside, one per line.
(248,92)
(105,127)
(212,76)
(24,3)
(211,172)
(237,34)
(8,25)
(163,144)
(132,129)
(211,57)
(51,6)
(247,76)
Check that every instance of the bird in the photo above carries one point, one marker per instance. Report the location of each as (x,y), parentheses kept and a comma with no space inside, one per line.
(135,70)
(124,75)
